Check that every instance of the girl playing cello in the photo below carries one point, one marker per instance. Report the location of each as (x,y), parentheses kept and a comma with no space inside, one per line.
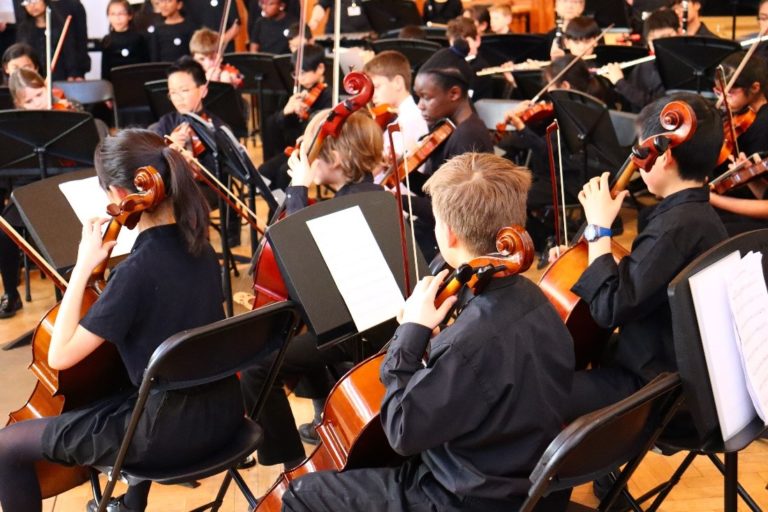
(136,313)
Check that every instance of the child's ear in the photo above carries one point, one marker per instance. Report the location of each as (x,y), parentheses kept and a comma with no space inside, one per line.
(204,90)
(321,68)
(454,93)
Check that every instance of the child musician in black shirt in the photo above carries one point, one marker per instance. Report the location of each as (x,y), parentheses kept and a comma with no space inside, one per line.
(633,293)
(345,163)
(170,40)
(474,419)
(123,45)
(170,282)
(31,30)
(269,32)
(442,85)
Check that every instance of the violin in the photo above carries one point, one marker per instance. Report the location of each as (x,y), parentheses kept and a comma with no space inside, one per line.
(102,372)
(738,176)
(383,114)
(351,434)
(309,100)
(235,76)
(734,126)
(268,283)
(536,114)
(679,120)
(428,144)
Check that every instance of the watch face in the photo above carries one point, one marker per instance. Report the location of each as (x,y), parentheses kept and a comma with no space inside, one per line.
(590,233)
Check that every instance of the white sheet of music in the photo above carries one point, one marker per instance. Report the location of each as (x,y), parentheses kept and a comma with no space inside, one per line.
(88,200)
(7,12)
(721,345)
(749,303)
(357,266)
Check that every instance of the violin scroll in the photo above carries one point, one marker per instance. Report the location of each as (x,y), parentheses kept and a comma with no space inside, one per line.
(515,243)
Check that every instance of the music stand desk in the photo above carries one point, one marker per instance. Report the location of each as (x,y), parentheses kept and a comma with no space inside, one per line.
(688,62)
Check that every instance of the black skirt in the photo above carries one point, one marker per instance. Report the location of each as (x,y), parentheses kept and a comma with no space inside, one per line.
(177,427)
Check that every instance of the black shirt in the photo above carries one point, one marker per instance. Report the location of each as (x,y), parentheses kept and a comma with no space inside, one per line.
(208,13)
(489,400)
(633,294)
(271,34)
(290,127)
(356,22)
(122,49)
(34,36)
(159,290)
(170,42)
(436,11)
(297,196)
(641,86)
(755,139)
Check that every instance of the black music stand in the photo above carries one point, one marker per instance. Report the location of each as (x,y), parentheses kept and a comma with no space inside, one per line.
(497,49)
(689,62)
(52,224)
(306,275)
(697,386)
(6,100)
(34,142)
(608,12)
(527,83)
(608,53)
(261,79)
(587,130)
(236,161)
(385,15)
(128,83)
(416,50)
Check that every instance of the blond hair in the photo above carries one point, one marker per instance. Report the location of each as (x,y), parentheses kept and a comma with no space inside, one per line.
(390,64)
(504,9)
(476,194)
(359,144)
(205,41)
(21,79)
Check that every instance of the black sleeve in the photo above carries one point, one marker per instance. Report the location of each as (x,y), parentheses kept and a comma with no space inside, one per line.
(112,315)
(296,198)
(255,33)
(106,58)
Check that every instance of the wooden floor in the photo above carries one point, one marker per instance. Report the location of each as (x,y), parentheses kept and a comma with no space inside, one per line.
(699,490)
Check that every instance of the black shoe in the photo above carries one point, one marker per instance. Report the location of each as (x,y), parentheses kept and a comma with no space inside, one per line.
(9,306)
(114,505)
(308,433)
(247,463)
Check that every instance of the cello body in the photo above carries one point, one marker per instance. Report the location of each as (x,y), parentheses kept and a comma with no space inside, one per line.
(57,391)
(351,435)
(556,283)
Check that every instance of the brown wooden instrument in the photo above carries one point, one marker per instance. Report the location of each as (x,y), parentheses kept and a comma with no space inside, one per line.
(738,176)
(679,119)
(428,144)
(102,372)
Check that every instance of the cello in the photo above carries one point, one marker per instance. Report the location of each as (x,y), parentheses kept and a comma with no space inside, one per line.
(351,434)
(268,283)
(102,372)
(679,120)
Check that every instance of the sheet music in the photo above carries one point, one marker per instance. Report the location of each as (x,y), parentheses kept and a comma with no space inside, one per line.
(7,14)
(749,303)
(88,200)
(721,345)
(357,266)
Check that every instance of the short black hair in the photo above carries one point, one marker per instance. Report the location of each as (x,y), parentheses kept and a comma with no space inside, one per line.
(314,55)
(187,64)
(755,70)
(450,68)
(293,30)
(480,13)
(660,19)
(697,157)
(578,76)
(581,27)
(20,50)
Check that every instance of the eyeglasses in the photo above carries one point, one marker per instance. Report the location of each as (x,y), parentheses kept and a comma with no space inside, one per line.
(180,92)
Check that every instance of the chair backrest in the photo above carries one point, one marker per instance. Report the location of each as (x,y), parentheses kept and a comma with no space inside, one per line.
(689,353)
(601,441)
(209,353)
(87,91)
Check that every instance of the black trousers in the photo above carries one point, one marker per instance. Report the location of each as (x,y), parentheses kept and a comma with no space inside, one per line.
(600,387)
(10,258)
(408,487)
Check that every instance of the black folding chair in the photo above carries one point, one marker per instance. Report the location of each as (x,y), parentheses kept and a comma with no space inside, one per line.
(601,441)
(199,356)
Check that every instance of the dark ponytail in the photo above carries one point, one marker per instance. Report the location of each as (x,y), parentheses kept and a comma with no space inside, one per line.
(117,158)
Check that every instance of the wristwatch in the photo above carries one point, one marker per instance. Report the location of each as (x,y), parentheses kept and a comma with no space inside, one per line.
(593,232)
